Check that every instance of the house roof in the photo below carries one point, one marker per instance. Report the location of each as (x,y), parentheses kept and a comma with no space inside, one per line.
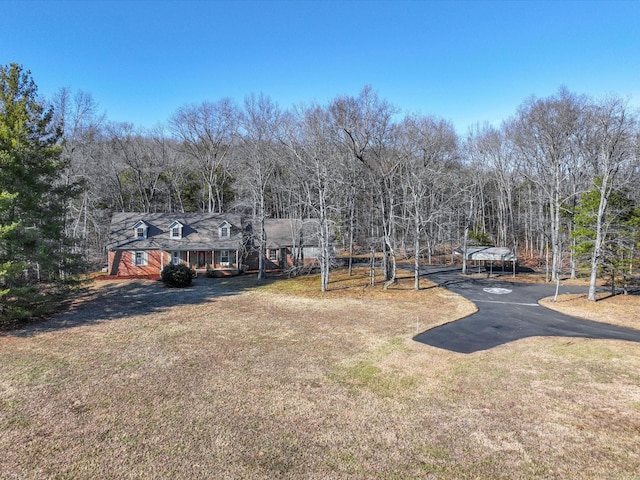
(287,232)
(487,253)
(200,231)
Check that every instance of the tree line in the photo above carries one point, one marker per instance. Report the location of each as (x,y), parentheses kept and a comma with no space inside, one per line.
(557,182)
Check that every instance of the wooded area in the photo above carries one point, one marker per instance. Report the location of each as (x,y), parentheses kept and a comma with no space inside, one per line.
(557,183)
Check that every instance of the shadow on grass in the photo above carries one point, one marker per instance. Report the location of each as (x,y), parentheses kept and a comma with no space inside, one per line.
(618,293)
(113,300)
(361,282)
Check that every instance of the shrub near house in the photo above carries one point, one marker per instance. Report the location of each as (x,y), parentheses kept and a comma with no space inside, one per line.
(177,276)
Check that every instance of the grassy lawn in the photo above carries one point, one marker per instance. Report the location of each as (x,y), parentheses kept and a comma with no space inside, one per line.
(229,380)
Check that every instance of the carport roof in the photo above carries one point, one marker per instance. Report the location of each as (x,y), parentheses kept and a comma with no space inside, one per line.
(487,253)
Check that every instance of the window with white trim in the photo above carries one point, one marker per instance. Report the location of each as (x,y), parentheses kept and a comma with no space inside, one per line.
(175,230)
(224,257)
(224,230)
(139,258)
(273,254)
(140,230)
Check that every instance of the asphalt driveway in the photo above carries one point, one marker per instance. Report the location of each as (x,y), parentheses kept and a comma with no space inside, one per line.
(509,311)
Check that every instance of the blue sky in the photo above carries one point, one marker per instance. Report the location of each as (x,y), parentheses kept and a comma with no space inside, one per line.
(465,61)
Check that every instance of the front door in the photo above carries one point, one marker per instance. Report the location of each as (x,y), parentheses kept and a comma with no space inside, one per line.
(176,258)
(224,258)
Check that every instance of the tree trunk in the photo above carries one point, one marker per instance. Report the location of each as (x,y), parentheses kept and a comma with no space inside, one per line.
(372,267)
(351,218)
(597,244)
(465,243)
(263,244)
(416,254)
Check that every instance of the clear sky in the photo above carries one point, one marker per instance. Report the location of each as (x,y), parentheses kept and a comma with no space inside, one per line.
(465,61)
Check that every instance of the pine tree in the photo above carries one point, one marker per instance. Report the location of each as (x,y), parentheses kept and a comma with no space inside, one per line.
(33,196)
(619,236)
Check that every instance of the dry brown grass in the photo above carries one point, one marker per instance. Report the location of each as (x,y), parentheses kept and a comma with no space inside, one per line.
(622,310)
(230,380)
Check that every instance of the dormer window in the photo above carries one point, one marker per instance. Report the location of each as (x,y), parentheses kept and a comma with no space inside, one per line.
(175,230)
(140,230)
(224,230)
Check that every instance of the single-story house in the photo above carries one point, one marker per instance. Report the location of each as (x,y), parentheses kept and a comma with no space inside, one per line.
(141,244)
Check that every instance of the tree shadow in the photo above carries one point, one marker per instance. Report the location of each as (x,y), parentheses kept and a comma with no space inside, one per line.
(603,296)
(113,300)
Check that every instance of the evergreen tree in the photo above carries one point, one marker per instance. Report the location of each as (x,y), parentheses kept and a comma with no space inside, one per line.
(619,236)
(33,196)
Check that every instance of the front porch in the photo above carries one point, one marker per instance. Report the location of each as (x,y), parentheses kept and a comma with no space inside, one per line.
(220,262)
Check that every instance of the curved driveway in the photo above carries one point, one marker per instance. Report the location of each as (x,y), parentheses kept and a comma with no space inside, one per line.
(509,311)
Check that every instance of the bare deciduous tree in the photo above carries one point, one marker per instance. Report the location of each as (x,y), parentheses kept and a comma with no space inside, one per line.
(77,115)
(427,147)
(261,125)
(206,133)
(547,134)
(365,123)
(310,142)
